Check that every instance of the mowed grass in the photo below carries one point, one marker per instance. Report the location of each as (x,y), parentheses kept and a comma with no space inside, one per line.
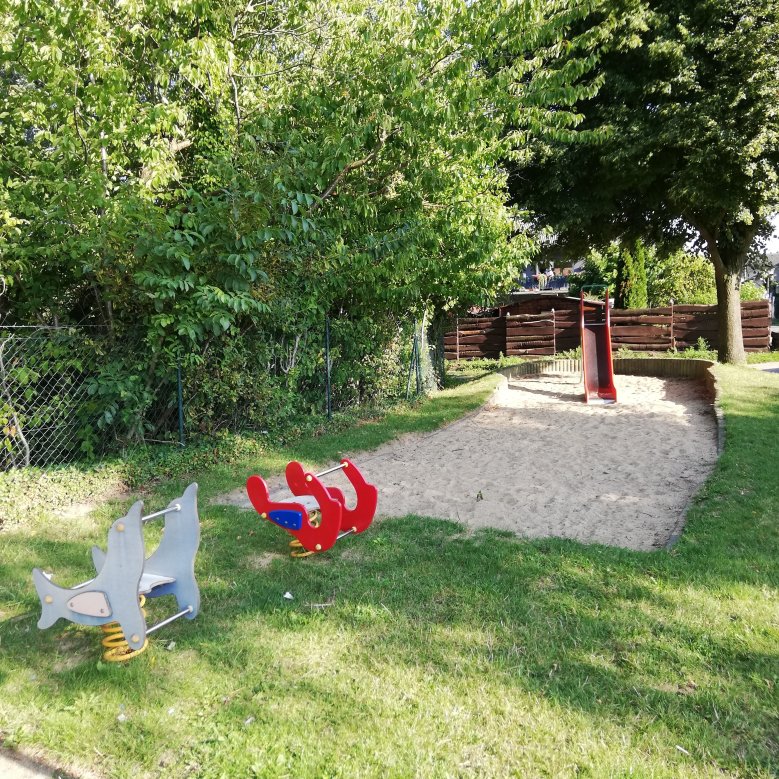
(417,649)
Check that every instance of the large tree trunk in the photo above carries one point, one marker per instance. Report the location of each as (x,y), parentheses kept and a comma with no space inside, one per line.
(726,273)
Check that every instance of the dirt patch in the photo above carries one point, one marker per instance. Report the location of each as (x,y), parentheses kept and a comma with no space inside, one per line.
(72,511)
(259,562)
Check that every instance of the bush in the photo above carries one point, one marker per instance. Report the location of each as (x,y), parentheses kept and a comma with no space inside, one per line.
(599,269)
(685,278)
(631,291)
(752,291)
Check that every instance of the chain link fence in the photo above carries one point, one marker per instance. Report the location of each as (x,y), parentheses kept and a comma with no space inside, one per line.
(61,400)
(76,393)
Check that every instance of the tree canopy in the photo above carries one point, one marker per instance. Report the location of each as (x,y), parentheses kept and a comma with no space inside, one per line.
(199,168)
(681,141)
(190,162)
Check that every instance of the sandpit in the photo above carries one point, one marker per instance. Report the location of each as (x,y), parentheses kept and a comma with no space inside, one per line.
(537,461)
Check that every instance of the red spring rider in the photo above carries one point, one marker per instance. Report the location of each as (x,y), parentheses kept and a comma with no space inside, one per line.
(319,517)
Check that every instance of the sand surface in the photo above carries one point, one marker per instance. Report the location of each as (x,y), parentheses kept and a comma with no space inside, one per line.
(537,461)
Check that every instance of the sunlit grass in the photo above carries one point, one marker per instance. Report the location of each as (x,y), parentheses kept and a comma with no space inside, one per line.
(417,649)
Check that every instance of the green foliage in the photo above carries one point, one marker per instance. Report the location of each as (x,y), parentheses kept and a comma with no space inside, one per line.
(197,168)
(681,276)
(631,283)
(242,172)
(600,269)
(701,351)
(456,372)
(752,291)
(680,142)
(262,382)
(684,277)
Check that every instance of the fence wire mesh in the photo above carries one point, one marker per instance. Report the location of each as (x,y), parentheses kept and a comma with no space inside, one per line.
(76,393)
(40,403)
(58,396)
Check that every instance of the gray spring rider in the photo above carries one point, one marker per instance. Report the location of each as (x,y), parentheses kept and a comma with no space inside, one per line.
(114,599)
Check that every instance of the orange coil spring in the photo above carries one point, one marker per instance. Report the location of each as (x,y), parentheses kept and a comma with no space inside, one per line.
(117,650)
(315,519)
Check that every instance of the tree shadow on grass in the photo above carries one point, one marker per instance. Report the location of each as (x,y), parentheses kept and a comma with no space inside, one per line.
(654,650)
(598,630)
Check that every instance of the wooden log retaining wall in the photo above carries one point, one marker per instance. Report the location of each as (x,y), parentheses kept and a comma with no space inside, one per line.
(476,337)
(517,331)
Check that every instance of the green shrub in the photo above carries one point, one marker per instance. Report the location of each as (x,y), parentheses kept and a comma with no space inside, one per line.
(600,268)
(701,351)
(752,291)
(631,289)
(687,279)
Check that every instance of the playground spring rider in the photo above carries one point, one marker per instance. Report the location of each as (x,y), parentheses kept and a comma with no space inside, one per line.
(114,599)
(319,516)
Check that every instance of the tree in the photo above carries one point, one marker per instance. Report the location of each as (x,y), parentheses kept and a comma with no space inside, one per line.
(682,138)
(187,162)
(194,169)
(682,277)
(631,277)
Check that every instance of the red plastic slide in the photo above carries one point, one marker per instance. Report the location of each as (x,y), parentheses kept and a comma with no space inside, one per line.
(597,363)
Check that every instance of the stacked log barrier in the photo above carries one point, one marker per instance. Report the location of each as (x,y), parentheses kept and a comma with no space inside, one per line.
(756,325)
(531,334)
(542,334)
(548,326)
(681,327)
(642,329)
(476,337)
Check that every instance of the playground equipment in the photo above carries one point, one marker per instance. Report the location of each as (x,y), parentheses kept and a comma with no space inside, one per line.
(315,515)
(597,362)
(114,599)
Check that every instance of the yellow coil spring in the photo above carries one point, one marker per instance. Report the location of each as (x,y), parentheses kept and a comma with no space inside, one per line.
(117,650)
(315,519)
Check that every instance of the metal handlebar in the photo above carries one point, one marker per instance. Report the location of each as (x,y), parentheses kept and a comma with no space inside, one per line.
(331,470)
(187,610)
(174,507)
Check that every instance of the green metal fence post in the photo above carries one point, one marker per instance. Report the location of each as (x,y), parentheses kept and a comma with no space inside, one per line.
(180,393)
(328,386)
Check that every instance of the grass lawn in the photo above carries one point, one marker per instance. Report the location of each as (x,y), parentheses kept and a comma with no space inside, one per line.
(418,650)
